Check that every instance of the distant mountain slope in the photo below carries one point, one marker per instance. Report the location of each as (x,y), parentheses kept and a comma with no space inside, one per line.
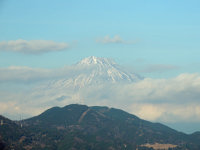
(78,83)
(79,127)
(106,70)
(95,70)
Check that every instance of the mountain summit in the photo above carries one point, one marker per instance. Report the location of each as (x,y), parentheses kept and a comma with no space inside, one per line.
(95,70)
(79,127)
(92,60)
(105,69)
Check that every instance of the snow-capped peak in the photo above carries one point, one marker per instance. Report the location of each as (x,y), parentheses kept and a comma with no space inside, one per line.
(96,60)
(96,70)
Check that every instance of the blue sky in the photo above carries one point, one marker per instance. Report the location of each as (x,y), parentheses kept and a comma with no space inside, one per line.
(167,32)
(158,39)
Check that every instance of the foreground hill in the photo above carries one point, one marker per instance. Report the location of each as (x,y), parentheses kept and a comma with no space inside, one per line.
(79,127)
(12,135)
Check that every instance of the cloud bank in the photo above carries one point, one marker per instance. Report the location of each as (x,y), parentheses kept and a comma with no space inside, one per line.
(165,100)
(23,74)
(33,46)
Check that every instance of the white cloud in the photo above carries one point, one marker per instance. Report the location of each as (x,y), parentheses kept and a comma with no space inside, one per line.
(15,110)
(27,74)
(167,112)
(116,40)
(168,100)
(33,46)
(147,111)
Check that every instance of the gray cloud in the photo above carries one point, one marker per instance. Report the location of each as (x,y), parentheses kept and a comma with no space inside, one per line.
(33,46)
(116,40)
(23,74)
(159,68)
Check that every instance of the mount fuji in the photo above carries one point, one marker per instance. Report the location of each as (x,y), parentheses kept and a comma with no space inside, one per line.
(90,80)
(95,70)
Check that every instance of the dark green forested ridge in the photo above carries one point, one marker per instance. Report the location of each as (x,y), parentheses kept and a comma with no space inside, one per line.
(79,127)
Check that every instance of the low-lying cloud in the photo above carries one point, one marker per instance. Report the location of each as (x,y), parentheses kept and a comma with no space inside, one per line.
(32,46)
(23,74)
(165,100)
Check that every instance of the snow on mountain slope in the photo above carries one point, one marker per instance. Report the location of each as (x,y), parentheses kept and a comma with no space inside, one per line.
(94,70)
(90,79)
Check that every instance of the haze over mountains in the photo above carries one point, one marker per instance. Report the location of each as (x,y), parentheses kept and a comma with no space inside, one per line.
(92,71)
(102,82)
(140,56)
